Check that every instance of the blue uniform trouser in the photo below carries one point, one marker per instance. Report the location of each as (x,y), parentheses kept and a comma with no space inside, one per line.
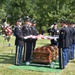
(68,50)
(18,54)
(72,51)
(28,51)
(64,56)
(73,45)
(34,44)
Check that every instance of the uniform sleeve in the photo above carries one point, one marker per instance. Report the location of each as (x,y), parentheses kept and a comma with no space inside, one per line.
(24,31)
(35,31)
(62,36)
(17,34)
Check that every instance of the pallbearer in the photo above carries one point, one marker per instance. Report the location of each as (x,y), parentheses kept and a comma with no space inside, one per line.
(34,33)
(19,42)
(27,42)
(73,40)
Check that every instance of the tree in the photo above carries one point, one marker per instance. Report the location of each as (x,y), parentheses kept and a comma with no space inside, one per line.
(46,12)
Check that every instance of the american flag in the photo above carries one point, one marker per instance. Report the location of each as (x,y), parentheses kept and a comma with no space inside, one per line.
(41,37)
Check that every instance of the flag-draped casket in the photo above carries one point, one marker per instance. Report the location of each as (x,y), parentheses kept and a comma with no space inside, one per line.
(45,54)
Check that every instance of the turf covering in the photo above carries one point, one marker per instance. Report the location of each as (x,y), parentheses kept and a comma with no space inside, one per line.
(37,67)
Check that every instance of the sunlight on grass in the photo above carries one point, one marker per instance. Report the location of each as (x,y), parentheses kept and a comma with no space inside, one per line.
(7,57)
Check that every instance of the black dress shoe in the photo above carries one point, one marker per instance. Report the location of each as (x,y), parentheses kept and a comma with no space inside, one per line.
(61,68)
(17,64)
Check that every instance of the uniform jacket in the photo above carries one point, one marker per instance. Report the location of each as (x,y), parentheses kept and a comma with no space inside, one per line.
(73,35)
(26,30)
(34,32)
(64,38)
(53,32)
(19,36)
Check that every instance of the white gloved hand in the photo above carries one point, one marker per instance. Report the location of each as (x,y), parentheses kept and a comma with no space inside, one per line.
(25,37)
(55,39)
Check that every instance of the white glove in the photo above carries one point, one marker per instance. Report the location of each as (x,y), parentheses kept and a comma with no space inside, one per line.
(55,39)
(25,37)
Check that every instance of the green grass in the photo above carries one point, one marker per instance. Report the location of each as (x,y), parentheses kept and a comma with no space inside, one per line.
(7,55)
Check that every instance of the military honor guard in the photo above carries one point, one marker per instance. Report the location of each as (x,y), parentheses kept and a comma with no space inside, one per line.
(54,32)
(34,33)
(19,42)
(71,29)
(73,39)
(27,42)
(63,45)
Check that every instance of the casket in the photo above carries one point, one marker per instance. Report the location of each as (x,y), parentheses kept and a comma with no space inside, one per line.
(54,50)
(45,54)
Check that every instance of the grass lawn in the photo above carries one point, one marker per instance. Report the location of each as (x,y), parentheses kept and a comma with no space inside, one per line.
(7,55)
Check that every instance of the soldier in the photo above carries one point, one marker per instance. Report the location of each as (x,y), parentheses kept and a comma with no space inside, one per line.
(19,42)
(73,39)
(34,33)
(27,42)
(54,32)
(71,29)
(63,45)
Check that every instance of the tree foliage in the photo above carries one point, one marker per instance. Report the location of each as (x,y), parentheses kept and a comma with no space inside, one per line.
(46,12)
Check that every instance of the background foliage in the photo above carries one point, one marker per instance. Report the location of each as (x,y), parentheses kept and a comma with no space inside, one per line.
(45,12)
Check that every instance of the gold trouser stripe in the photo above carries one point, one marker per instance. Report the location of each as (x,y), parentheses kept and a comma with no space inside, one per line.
(24,51)
(17,50)
(61,58)
(31,52)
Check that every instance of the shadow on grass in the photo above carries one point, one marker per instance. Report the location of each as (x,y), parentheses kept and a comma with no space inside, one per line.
(7,58)
(72,61)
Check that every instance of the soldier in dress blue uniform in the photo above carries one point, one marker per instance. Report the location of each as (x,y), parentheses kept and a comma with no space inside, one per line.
(73,39)
(54,32)
(19,41)
(71,29)
(63,45)
(27,42)
(34,33)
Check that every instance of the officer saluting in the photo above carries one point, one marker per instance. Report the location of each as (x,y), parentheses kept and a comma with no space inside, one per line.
(72,33)
(73,39)
(54,32)
(63,45)
(19,41)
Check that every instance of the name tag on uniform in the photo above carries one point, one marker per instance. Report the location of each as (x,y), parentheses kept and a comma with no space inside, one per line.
(62,32)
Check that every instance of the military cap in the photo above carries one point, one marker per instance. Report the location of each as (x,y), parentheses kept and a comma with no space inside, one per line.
(19,20)
(25,17)
(68,22)
(34,22)
(3,20)
(55,23)
(63,21)
(27,20)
